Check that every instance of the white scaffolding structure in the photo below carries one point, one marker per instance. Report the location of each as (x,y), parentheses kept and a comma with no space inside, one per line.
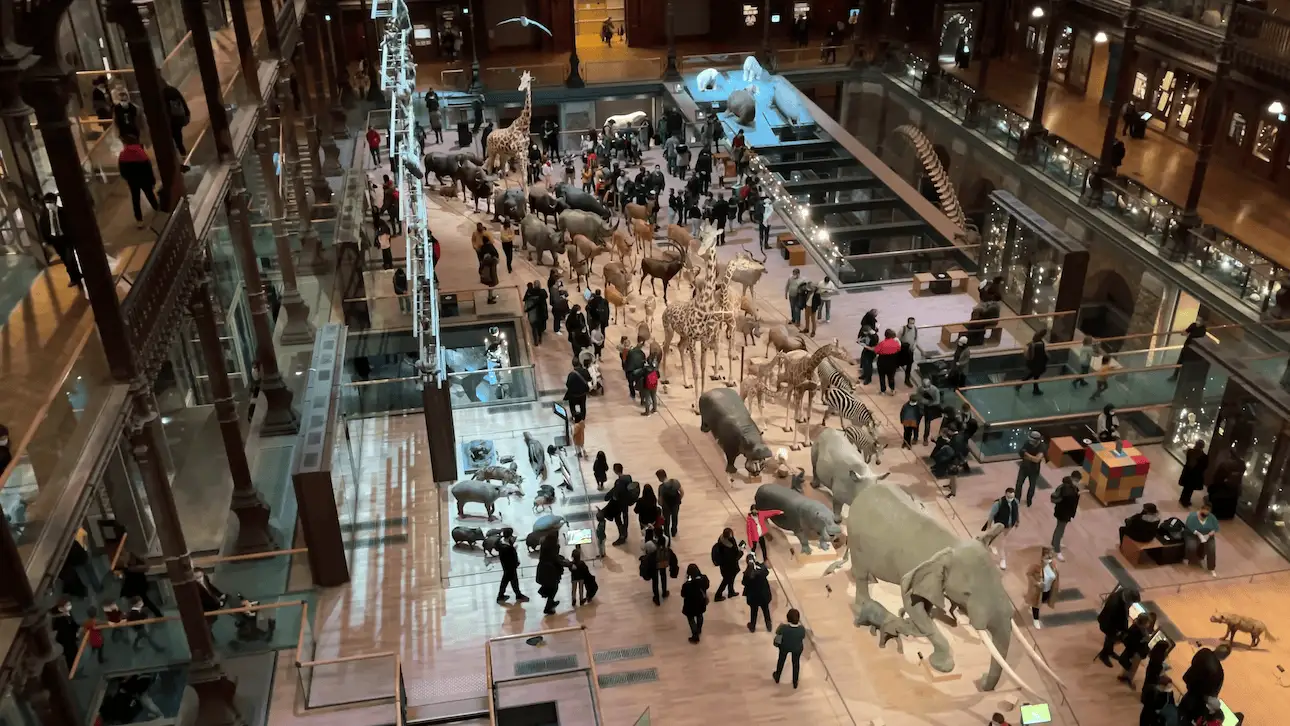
(399,81)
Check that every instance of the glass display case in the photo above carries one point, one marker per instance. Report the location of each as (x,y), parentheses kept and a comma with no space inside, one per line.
(1042,267)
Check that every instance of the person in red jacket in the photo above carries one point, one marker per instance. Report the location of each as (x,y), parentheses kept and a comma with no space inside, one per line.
(888,350)
(374,145)
(136,170)
(755,526)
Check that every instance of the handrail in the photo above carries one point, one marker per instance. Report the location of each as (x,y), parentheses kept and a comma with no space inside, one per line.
(120,550)
(1071,377)
(215,560)
(348,659)
(1071,416)
(1002,319)
(920,250)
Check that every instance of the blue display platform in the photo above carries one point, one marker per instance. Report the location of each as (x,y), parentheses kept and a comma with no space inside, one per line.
(760,132)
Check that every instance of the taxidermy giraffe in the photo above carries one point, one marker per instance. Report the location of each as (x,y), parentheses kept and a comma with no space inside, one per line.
(512,143)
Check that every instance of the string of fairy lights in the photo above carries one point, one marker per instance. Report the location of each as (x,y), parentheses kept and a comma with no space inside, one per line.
(796,214)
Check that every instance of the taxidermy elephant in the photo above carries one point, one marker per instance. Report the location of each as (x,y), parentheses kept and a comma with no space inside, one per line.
(537,234)
(838,467)
(891,539)
(576,222)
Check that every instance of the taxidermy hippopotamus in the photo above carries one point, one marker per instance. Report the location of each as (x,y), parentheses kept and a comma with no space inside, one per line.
(538,234)
(576,222)
(802,515)
(837,466)
(723,412)
(743,106)
(480,492)
(509,203)
(580,200)
(546,524)
(467,535)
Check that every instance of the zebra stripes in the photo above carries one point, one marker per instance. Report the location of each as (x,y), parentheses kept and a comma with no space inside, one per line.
(831,377)
(866,442)
(843,403)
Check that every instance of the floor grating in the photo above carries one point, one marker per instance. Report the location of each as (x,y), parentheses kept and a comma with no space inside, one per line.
(553,664)
(615,655)
(629,678)
(1069,594)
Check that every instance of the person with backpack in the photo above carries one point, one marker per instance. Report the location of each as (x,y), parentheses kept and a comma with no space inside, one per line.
(657,558)
(649,386)
(670,494)
(1005,512)
(1036,361)
(756,581)
(177,113)
(510,561)
(634,367)
(790,638)
(1065,500)
(580,577)
(726,556)
(623,495)
(648,513)
(694,600)
(755,526)
(136,169)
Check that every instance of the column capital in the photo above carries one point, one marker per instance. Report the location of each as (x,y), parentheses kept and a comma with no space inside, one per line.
(132,16)
(47,88)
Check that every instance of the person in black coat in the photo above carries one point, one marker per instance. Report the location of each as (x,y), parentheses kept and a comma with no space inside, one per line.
(559,308)
(598,313)
(1155,666)
(134,583)
(1135,647)
(1155,695)
(211,596)
(65,630)
(726,555)
(647,509)
(757,592)
(1204,678)
(535,310)
(53,228)
(694,600)
(576,387)
(1192,477)
(550,570)
(1113,620)
(510,560)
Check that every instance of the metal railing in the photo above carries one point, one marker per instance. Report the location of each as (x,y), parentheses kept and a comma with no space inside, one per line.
(584,663)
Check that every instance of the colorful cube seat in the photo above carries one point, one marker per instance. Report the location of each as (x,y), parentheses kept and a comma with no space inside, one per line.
(1117,472)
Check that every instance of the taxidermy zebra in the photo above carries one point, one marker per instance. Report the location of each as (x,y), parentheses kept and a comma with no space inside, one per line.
(844,404)
(866,442)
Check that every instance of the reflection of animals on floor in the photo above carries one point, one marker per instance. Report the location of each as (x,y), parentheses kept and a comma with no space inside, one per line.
(1242,624)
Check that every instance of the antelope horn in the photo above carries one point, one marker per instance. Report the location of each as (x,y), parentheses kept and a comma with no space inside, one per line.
(1034,654)
(1003,663)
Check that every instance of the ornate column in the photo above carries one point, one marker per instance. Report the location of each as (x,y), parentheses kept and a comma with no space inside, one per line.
(245,47)
(1123,87)
(298,330)
(672,73)
(280,419)
(1035,131)
(767,53)
(575,78)
(15,115)
(340,58)
(130,17)
(48,92)
(41,676)
(476,83)
(1211,122)
(253,532)
(214,690)
(195,16)
(331,70)
(318,74)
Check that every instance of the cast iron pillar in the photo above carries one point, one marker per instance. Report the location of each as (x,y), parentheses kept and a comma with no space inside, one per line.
(575,76)
(1035,131)
(476,83)
(672,73)
(293,166)
(299,330)
(334,74)
(130,17)
(1211,122)
(253,531)
(195,16)
(245,48)
(1123,87)
(322,107)
(280,419)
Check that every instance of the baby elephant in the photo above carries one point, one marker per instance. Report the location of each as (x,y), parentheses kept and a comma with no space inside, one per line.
(467,536)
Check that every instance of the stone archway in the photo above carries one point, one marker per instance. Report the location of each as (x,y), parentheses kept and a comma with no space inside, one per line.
(1108,307)
(958,27)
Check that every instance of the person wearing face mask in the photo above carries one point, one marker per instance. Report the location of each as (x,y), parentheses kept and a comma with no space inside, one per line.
(929,400)
(763,222)
(66,629)
(908,337)
(1042,582)
(1005,513)
(726,556)
(1108,426)
(54,230)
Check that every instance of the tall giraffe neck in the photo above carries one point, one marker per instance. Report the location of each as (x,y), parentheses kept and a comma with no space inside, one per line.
(816,357)
(522,123)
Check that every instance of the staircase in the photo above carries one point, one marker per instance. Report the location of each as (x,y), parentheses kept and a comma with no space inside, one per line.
(591,13)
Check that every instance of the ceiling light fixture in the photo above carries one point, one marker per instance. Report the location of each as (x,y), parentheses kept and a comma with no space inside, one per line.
(1100,37)
(1276,108)
(1037,12)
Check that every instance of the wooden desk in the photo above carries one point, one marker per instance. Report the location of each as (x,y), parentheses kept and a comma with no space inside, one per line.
(1154,551)
(1061,447)
(958,281)
(783,238)
(796,256)
(951,333)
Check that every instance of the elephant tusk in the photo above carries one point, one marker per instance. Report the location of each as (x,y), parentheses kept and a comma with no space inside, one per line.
(1034,654)
(1003,663)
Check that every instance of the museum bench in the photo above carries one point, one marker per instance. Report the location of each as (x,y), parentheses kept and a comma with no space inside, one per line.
(1062,447)
(1161,553)
(792,250)
(951,333)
